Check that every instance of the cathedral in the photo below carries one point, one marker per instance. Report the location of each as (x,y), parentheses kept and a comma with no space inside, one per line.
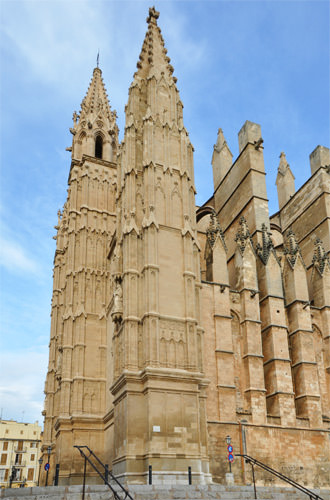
(174,326)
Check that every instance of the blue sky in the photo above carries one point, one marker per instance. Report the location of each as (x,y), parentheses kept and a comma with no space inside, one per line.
(265,61)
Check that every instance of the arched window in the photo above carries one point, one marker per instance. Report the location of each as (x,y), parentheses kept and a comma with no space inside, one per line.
(98,146)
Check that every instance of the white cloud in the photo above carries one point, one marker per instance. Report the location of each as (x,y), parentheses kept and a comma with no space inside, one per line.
(53,37)
(15,259)
(22,380)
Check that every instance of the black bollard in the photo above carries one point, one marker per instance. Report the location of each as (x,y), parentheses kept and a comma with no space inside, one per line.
(106,473)
(189,475)
(150,474)
(57,472)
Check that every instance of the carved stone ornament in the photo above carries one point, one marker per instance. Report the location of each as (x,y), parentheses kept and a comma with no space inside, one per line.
(320,257)
(243,235)
(264,250)
(292,249)
(214,230)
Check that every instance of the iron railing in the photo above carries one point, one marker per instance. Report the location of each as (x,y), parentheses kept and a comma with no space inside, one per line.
(300,487)
(121,493)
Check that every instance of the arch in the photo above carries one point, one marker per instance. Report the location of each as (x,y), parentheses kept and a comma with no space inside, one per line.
(202,211)
(98,146)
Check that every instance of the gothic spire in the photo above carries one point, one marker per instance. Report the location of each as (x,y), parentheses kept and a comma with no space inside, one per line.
(95,120)
(96,100)
(153,59)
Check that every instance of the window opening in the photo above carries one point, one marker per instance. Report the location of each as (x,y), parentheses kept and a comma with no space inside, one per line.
(98,146)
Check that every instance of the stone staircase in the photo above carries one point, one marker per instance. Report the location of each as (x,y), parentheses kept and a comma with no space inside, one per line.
(154,492)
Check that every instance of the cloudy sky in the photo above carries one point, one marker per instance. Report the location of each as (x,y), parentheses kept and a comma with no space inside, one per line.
(265,61)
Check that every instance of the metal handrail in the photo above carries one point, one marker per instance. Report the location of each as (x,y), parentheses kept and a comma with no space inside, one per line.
(253,462)
(103,476)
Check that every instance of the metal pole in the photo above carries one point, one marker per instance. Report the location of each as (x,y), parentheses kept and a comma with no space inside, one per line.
(106,473)
(229,466)
(150,474)
(83,492)
(254,482)
(189,475)
(46,477)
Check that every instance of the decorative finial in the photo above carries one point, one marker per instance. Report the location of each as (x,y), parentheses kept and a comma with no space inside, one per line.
(292,249)
(214,230)
(243,235)
(283,165)
(153,15)
(98,58)
(267,247)
(320,257)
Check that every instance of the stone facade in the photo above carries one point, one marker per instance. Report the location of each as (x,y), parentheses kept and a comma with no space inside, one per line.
(174,326)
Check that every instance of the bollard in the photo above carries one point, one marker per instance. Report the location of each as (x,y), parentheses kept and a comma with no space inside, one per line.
(57,472)
(150,474)
(189,475)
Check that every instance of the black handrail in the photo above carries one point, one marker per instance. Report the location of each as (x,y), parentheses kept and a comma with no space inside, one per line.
(103,476)
(253,462)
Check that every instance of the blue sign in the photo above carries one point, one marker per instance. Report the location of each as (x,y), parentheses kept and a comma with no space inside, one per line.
(47,466)
(230,448)
(230,457)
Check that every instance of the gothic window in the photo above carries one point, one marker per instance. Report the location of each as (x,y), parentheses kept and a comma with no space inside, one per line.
(98,146)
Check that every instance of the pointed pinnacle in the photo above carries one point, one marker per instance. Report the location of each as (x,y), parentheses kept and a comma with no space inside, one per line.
(220,140)
(153,60)
(283,165)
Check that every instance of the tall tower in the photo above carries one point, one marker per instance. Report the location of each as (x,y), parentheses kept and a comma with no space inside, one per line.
(156,379)
(76,378)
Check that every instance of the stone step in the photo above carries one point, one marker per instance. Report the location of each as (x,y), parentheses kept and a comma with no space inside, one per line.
(159,492)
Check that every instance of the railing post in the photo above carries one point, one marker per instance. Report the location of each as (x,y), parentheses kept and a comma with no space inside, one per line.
(189,475)
(150,474)
(106,473)
(84,481)
(254,481)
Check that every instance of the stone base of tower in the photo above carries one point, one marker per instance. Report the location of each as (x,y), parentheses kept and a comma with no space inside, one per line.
(165,470)
(77,430)
(159,422)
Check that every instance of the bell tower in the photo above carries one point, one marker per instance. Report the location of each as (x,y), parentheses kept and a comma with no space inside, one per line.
(158,384)
(75,387)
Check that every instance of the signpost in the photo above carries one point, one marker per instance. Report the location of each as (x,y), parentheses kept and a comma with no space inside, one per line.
(47,467)
(230,450)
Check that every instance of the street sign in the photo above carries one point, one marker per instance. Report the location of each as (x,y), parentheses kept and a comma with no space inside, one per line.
(47,466)
(230,458)
(230,448)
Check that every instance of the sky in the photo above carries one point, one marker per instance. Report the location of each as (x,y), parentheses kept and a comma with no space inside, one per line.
(265,61)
